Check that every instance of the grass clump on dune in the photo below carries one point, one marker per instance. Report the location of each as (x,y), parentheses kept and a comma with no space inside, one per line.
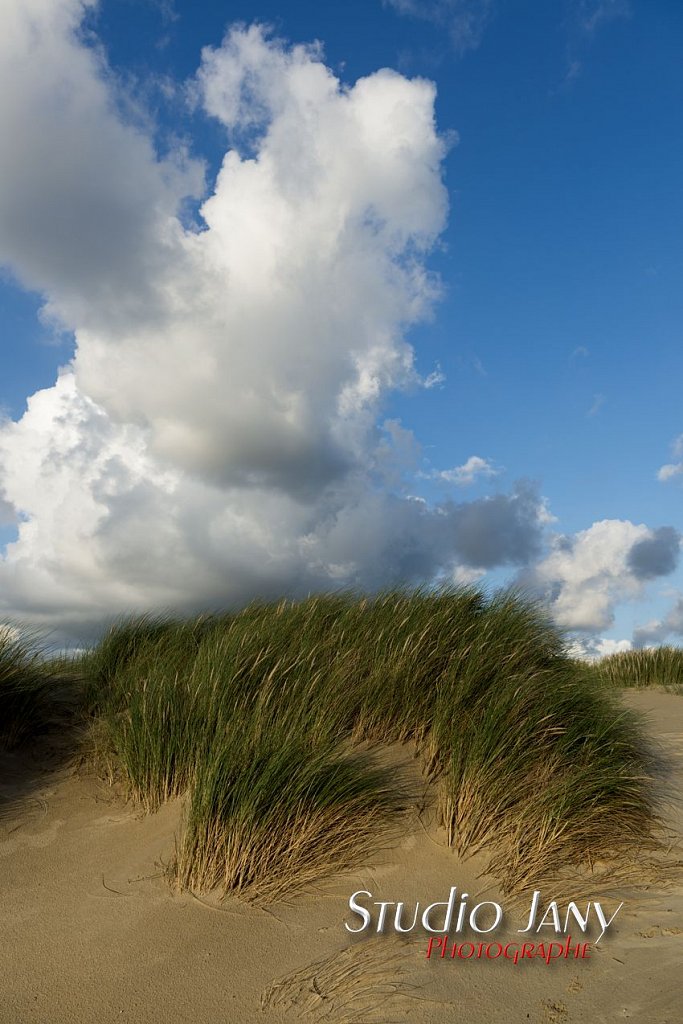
(657,666)
(534,763)
(238,716)
(270,813)
(134,643)
(34,695)
(552,774)
(271,721)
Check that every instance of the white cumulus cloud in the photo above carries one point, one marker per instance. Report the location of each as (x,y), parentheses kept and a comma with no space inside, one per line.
(218,434)
(672,469)
(585,575)
(593,648)
(471,470)
(87,209)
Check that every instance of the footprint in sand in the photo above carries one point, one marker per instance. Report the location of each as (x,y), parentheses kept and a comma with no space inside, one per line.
(554,1012)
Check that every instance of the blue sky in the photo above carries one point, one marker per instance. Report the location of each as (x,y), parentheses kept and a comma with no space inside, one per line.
(556,331)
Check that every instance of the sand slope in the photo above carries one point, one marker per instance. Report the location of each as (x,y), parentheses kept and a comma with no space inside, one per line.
(89,931)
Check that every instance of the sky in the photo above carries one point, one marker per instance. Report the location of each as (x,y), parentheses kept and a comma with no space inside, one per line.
(300,297)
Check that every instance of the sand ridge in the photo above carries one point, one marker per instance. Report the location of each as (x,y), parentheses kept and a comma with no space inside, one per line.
(92,933)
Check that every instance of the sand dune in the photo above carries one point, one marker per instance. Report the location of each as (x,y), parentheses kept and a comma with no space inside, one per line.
(91,932)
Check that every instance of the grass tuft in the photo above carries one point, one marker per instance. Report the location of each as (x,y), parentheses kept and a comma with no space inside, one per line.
(268,814)
(34,694)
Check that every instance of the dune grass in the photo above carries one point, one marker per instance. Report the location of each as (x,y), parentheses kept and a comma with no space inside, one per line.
(272,723)
(657,666)
(34,694)
(270,813)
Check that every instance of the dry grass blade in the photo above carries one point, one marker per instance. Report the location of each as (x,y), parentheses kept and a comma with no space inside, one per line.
(366,982)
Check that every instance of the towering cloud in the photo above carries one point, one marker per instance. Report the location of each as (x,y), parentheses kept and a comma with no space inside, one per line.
(218,433)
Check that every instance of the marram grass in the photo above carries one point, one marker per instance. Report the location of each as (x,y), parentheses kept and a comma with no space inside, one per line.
(269,814)
(657,666)
(270,723)
(35,695)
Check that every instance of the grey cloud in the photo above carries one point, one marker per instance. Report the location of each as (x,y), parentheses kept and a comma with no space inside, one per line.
(501,530)
(8,515)
(659,630)
(651,633)
(376,540)
(656,555)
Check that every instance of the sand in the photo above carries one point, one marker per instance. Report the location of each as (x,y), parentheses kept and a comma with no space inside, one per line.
(90,931)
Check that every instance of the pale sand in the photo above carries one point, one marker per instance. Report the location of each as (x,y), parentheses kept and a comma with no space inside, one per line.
(86,935)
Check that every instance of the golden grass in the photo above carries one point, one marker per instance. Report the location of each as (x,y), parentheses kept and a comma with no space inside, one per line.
(366,982)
